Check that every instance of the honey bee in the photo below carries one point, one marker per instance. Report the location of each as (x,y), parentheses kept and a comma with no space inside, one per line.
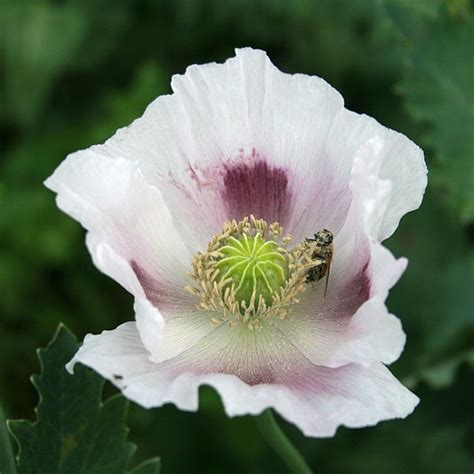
(321,257)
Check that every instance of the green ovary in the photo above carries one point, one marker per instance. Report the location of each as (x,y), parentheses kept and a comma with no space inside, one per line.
(255,266)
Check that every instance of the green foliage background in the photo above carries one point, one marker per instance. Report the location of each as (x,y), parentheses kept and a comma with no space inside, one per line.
(72,72)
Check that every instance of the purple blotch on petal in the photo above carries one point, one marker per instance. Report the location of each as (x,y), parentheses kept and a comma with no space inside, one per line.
(256,187)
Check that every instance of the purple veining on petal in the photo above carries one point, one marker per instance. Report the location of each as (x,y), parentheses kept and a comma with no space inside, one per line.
(288,367)
(263,372)
(161,294)
(256,187)
(310,379)
(343,306)
(254,366)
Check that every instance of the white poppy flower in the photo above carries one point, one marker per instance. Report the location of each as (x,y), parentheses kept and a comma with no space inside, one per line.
(200,178)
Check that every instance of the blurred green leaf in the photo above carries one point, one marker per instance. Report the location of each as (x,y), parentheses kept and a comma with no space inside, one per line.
(123,106)
(74,432)
(434,297)
(37,41)
(443,374)
(437,86)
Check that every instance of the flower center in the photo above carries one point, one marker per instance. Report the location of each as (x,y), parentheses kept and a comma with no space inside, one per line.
(248,275)
(253,266)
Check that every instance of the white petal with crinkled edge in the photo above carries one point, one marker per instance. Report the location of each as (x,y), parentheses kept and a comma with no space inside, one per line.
(240,111)
(184,326)
(221,114)
(129,225)
(372,335)
(317,403)
(370,194)
(385,270)
(402,163)
(327,331)
(150,322)
(111,199)
(346,326)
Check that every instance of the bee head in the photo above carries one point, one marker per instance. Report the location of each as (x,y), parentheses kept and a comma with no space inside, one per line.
(323,237)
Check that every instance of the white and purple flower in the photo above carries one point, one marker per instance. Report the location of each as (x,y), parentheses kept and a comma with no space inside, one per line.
(163,197)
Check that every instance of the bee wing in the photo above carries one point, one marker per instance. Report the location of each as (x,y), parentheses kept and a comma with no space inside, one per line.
(327,280)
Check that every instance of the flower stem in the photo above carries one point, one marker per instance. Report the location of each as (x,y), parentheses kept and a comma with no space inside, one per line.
(281,444)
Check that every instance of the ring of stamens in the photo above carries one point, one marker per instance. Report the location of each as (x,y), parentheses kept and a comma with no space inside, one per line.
(248,275)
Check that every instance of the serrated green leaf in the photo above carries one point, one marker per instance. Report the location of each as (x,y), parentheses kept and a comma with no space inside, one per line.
(151,466)
(75,433)
(437,88)
(7,461)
